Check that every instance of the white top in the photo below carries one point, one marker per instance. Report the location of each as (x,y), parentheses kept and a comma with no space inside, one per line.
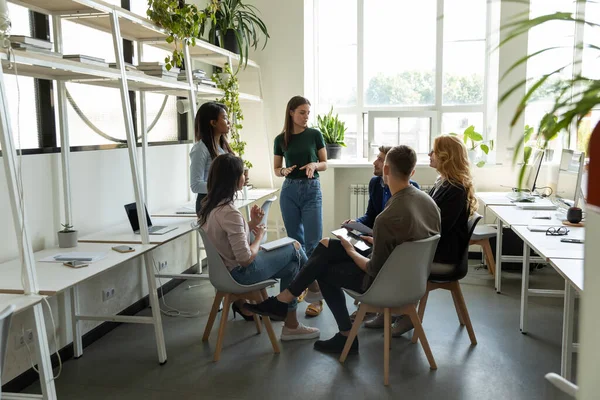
(200,161)
(124,234)
(571,270)
(20,301)
(55,277)
(514,216)
(551,246)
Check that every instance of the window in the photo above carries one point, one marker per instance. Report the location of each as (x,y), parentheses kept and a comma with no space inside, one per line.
(391,91)
(20,92)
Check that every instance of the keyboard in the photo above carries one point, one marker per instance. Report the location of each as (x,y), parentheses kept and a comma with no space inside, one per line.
(520,197)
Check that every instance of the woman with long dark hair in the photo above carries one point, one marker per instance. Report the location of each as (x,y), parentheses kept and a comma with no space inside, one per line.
(211,128)
(230,234)
(301,200)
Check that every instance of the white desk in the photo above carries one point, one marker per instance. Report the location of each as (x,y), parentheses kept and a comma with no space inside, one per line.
(22,303)
(572,271)
(499,199)
(123,234)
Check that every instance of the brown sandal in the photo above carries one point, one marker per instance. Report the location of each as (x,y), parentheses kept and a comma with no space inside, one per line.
(314,309)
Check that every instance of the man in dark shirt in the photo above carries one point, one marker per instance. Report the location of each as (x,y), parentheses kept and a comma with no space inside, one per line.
(379,192)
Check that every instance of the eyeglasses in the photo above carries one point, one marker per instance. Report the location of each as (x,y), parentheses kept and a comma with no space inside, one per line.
(562,231)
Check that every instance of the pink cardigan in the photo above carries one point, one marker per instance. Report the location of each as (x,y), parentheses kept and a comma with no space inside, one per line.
(228,231)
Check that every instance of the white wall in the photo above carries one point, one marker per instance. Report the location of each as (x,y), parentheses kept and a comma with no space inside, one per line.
(101,184)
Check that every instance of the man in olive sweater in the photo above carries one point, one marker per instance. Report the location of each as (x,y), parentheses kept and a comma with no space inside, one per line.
(335,264)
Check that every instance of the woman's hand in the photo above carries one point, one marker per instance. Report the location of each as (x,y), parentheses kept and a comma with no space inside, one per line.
(310,169)
(347,245)
(259,232)
(368,239)
(256,216)
(286,171)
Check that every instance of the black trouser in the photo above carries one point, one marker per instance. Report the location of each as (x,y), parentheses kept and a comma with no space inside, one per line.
(199,202)
(333,269)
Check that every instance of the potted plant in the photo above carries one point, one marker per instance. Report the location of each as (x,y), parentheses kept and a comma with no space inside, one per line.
(573,98)
(538,141)
(476,145)
(228,83)
(181,21)
(67,237)
(235,26)
(333,130)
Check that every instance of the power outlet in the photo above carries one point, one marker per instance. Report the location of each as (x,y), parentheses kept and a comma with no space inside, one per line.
(108,294)
(26,337)
(162,265)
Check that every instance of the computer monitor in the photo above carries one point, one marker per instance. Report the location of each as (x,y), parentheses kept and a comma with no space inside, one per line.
(534,169)
(568,186)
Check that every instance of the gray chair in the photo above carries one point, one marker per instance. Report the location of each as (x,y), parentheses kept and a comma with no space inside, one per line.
(449,280)
(400,284)
(228,290)
(558,388)
(5,317)
(481,237)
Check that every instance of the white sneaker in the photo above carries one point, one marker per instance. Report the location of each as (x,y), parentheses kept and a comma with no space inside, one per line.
(313,297)
(301,332)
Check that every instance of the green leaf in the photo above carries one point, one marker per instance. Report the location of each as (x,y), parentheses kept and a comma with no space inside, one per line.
(481,164)
(527,154)
(452,134)
(485,148)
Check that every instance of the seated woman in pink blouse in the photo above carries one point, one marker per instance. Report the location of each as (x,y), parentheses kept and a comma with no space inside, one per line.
(230,234)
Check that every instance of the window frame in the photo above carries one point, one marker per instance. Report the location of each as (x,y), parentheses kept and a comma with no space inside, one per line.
(438,107)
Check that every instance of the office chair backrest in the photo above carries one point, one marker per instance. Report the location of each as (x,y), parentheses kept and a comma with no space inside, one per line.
(218,273)
(403,278)
(558,388)
(5,317)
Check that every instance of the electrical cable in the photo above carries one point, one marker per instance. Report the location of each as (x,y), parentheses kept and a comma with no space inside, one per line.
(171,311)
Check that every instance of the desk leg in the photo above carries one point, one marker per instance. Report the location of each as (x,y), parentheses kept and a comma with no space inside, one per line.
(499,258)
(525,288)
(198,252)
(76,327)
(153,296)
(567,333)
(43,354)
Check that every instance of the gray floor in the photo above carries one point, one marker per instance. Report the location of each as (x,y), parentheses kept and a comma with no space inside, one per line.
(504,365)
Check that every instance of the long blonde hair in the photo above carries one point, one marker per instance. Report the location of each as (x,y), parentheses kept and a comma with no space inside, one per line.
(453,165)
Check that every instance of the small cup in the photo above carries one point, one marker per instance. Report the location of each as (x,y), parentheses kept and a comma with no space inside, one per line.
(574,215)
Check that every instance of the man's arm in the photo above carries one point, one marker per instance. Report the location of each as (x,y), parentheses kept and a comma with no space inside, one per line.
(382,245)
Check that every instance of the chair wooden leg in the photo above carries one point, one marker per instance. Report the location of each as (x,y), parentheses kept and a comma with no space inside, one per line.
(213,314)
(268,326)
(461,301)
(423,304)
(387,321)
(461,320)
(489,256)
(421,334)
(258,324)
(360,315)
(224,315)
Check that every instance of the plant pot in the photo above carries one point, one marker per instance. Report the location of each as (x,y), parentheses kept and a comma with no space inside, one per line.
(247,179)
(229,42)
(334,151)
(549,155)
(67,239)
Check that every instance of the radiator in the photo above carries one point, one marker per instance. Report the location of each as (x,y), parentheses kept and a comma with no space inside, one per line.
(359,198)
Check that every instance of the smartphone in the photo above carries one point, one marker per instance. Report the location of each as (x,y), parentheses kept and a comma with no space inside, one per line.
(76,264)
(568,240)
(123,249)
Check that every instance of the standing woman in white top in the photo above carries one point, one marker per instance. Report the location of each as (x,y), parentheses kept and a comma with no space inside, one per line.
(211,128)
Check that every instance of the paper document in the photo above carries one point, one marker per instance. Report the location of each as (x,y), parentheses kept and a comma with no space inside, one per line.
(359,244)
(74,256)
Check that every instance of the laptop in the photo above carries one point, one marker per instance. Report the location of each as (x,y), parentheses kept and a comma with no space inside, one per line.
(526,195)
(131,210)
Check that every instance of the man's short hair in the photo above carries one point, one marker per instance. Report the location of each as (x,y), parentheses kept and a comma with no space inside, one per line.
(402,160)
(384,149)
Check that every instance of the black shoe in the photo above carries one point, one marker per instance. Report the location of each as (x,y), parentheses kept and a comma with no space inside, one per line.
(336,345)
(271,307)
(236,310)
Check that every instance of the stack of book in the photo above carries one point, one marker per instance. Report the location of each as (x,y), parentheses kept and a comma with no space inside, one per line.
(100,62)
(33,45)
(197,75)
(128,66)
(158,70)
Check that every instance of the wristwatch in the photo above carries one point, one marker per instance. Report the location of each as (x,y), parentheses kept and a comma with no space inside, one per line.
(281,171)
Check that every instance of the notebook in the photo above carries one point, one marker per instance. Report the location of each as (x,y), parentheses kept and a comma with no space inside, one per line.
(275,244)
(356,242)
(357,226)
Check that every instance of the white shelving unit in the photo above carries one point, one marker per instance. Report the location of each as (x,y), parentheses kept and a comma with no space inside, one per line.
(121,24)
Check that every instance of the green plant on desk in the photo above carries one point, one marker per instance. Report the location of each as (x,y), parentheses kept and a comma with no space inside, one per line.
(67,237)
(67,228)
(474,140)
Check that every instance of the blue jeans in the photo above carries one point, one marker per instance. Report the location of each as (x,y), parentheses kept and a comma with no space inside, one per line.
(283,263)
(301,204)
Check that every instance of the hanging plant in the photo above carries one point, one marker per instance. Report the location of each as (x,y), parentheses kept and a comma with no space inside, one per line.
(182,22)
(227,81)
